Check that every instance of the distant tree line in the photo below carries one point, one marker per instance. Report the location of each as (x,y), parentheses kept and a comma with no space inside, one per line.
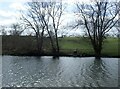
(15,29)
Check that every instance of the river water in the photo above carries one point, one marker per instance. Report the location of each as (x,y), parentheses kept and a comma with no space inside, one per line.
(63,72)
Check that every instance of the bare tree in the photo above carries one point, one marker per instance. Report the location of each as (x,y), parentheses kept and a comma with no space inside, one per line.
(55,11)
(41,17)
(118,25)
(98,19)
(16,29)
(34,20)
(2,30)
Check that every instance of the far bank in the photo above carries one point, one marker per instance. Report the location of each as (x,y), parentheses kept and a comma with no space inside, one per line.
(69,46)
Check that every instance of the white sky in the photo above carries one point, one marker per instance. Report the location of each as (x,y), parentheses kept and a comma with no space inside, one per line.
(10,11)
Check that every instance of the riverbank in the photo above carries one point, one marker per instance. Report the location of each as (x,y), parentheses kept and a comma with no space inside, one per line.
(60,55)
(26,46)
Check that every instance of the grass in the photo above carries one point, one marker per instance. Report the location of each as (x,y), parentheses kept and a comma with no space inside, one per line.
(72,43)
(27,44)
(83,45)
(111,47)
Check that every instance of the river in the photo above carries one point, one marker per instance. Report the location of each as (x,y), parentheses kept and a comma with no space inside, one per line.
(25,71)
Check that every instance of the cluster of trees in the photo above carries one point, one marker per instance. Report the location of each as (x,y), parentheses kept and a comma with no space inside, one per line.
(44,17)
(97,18)
(15,29)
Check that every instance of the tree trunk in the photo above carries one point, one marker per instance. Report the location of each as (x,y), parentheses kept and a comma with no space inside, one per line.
(98,55)
(57,45)
(41,45)
(53,45)
(51,39)
(38,46)
(97,46)
(98,52)
(41,41)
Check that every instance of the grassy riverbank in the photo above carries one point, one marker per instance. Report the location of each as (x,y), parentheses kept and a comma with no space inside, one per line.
(26,45)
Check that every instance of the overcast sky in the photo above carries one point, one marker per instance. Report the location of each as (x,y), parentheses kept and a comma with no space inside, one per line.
(10,10)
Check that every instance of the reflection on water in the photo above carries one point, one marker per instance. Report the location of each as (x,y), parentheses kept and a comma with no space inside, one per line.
(62,72)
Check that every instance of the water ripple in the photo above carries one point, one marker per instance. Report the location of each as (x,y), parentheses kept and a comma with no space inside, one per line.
(63,72)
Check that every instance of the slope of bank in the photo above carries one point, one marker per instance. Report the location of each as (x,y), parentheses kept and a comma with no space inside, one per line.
(26,45)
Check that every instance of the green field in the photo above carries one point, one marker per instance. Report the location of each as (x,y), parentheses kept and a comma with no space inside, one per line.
(27,44)
(83,45)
